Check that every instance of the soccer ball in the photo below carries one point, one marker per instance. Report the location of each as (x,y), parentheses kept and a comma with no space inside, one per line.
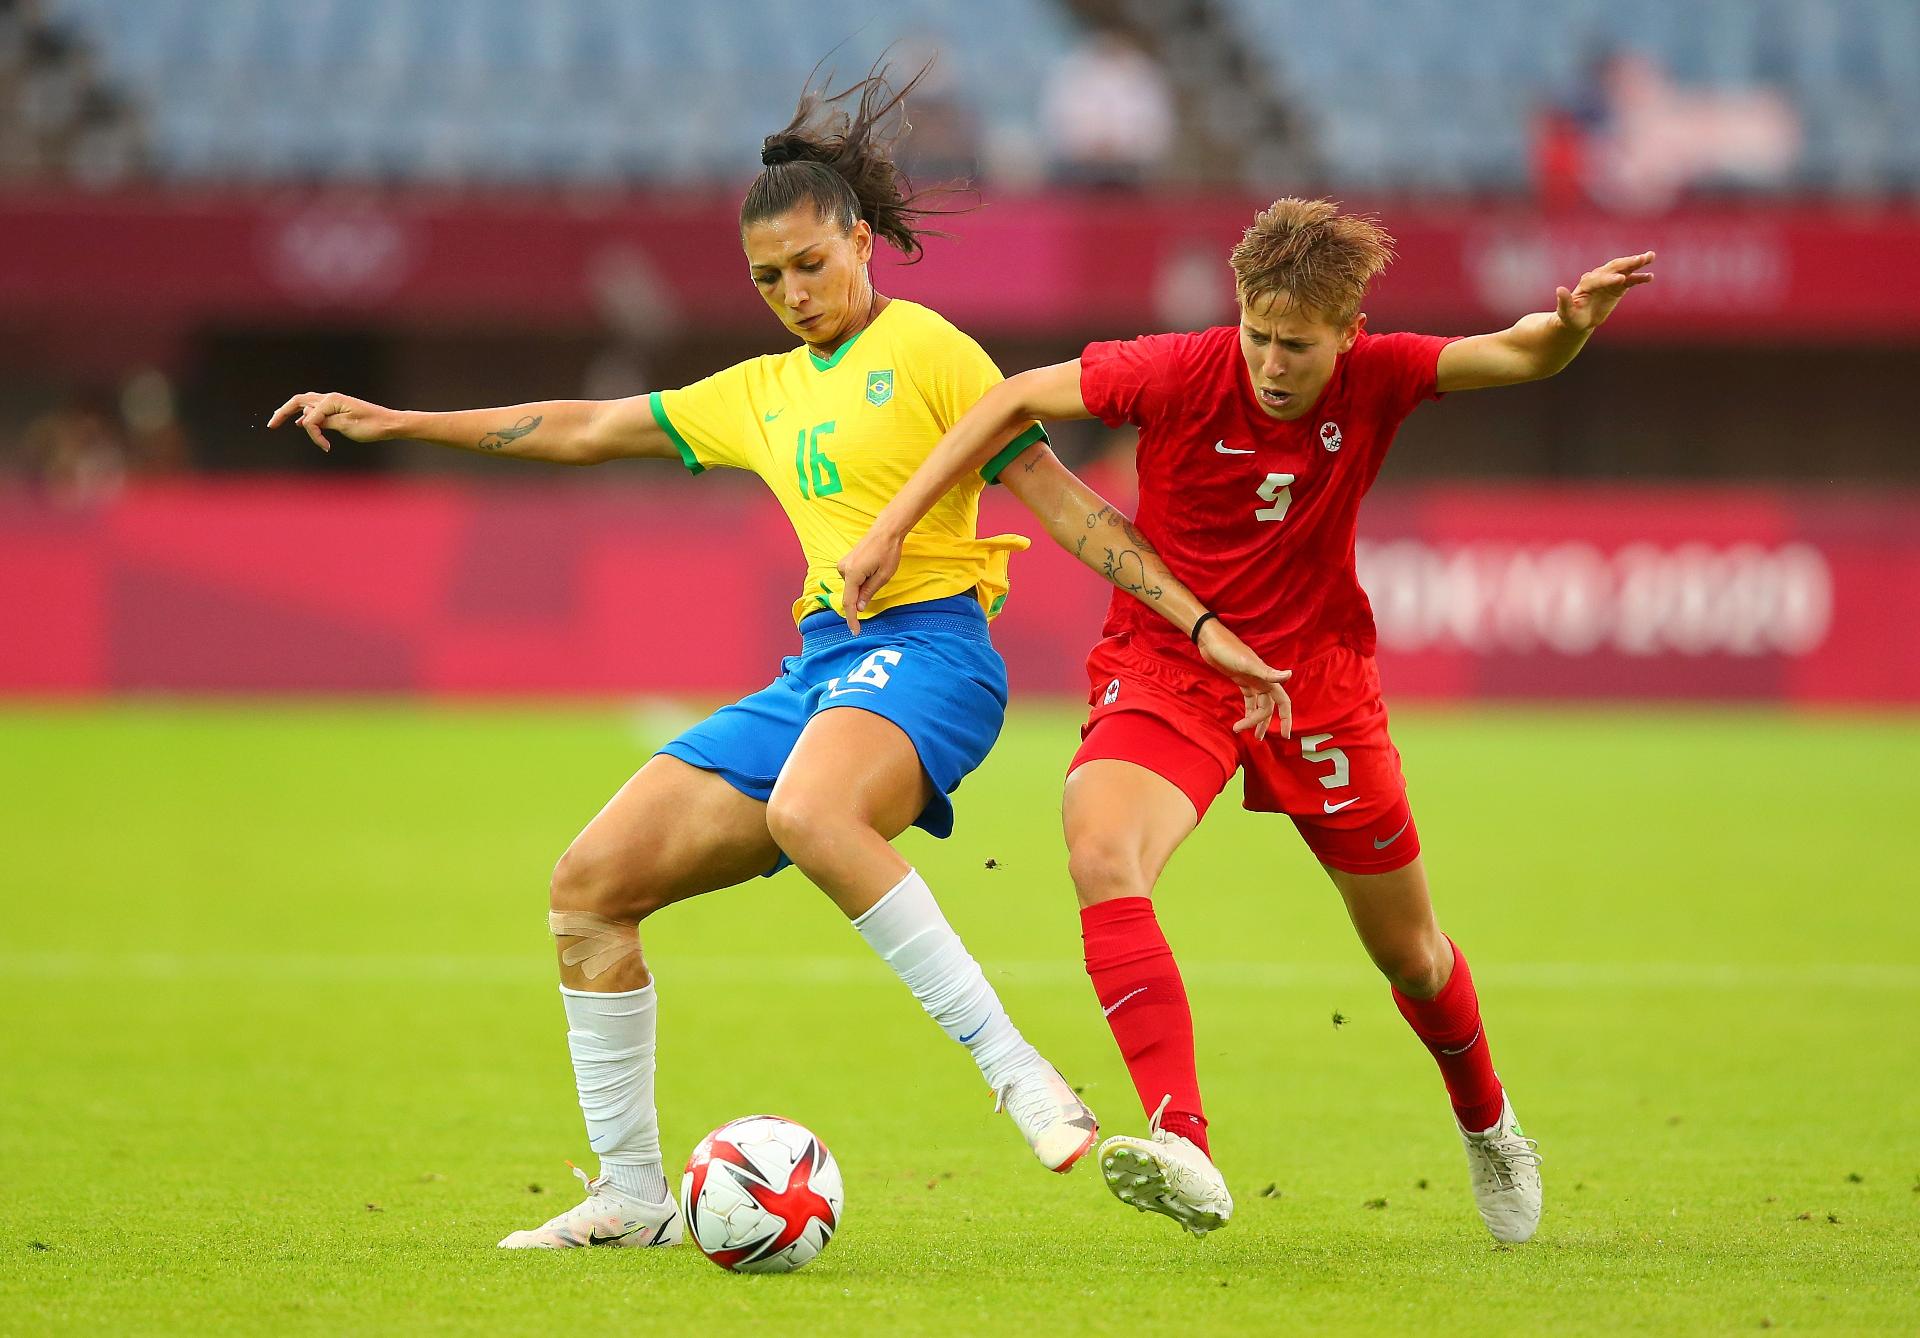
(762,1195)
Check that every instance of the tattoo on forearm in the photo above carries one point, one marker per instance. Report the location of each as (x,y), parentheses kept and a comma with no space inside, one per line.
(1125,567)
(1128,570)
(506,436)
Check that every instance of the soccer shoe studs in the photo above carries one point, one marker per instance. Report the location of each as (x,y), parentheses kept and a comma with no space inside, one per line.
(1165,1173)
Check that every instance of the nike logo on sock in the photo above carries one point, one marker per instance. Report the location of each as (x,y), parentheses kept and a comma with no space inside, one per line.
(1108,1010)
(1463,1049)
(975,1032)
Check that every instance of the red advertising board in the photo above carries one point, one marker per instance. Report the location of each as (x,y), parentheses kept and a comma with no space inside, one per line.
(1032,264)
(682,587)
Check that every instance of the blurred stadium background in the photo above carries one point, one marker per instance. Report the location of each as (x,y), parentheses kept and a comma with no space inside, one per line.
(206,205)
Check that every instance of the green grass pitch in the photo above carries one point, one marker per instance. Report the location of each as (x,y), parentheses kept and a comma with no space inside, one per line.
(280,1050)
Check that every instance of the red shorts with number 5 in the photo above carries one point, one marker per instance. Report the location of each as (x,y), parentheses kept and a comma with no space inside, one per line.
(1338,777)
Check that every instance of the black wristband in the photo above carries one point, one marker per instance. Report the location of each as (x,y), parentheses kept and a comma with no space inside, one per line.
(1199,623)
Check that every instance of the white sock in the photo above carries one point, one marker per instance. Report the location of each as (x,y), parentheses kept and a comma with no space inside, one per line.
(611,1038)
(911,935)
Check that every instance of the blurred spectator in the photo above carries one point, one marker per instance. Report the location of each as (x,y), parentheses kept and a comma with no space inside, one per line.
(944,143)
(84,450)
(59,116)
(76,453)
(1108,114)
(1631,139)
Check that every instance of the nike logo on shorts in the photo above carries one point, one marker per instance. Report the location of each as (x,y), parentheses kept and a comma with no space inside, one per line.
(1108,1010)
(1224,449)
(1332,807)
(1382,845)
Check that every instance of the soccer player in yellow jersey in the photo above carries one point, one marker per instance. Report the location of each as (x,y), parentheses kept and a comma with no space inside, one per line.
(834,427)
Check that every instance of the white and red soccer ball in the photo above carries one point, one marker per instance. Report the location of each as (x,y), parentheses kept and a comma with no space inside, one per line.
(762,1195)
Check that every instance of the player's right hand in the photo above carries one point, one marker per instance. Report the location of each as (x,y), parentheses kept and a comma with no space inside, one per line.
(1265,700)
(869,566)
(320,413)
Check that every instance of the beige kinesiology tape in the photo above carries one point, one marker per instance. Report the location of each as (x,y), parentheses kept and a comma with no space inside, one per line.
(601,944)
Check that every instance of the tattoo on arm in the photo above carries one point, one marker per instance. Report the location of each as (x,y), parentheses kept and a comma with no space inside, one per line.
(1125,567)
(506,436)
(1126,570)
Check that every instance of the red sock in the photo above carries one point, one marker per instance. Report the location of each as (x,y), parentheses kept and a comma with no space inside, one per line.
(1138,985)
(1449,1024)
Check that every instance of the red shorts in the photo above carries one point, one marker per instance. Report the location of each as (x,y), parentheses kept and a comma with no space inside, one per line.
(1338,777)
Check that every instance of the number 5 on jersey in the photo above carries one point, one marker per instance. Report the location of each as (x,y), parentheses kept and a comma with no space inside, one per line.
(1278,489)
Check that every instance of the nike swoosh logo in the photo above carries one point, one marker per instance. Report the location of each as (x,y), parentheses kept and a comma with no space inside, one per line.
(1332,807)
(597,1239)
(1108,1010)
(1224,449)
(975,1032)
(1476,1031)
(1382,845)
(769,417)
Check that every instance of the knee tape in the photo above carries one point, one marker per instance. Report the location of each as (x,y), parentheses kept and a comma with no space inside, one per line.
(599,944)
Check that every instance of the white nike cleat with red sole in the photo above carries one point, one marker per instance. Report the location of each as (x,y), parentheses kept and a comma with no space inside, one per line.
(604,1217)
(1053,1119)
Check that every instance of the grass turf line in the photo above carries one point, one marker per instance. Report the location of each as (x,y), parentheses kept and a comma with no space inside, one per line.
(281,1051)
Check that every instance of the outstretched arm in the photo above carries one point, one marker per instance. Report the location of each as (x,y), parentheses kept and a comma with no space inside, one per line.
(568,432)
(1541,344)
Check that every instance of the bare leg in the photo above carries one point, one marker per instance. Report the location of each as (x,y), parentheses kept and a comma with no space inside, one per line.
(1393,915)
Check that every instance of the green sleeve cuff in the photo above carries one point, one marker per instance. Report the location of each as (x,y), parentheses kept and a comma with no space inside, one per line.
(990,471)
(687,456)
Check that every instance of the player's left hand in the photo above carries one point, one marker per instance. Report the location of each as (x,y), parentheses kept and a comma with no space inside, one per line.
(869,566)
(1600,290)
(1259,682)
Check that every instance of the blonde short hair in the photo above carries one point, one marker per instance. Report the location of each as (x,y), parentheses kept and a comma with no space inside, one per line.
(1321,259)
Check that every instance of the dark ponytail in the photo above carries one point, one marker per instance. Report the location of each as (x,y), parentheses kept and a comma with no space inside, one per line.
(841,162)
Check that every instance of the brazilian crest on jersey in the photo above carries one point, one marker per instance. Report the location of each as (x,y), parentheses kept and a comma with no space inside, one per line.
(836,438)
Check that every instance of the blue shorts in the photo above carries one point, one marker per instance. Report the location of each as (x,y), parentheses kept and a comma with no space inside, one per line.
(930,668)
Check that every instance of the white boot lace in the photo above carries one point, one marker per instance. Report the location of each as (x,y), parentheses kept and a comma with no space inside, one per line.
(1029,1099)
(1502,1157)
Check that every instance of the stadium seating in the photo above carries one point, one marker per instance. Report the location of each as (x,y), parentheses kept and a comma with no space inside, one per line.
(1422,95)
(1434,95)
(582,90)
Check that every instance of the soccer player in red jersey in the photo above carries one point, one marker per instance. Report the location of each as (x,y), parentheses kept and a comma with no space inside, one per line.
(1257,442)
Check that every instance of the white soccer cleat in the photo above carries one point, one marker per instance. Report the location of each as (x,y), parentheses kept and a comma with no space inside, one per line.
(1166,1173)
(604,1217)
(1050,1116)
(1506,1177)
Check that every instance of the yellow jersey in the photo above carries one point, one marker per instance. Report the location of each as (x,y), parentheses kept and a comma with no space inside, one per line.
(836,438)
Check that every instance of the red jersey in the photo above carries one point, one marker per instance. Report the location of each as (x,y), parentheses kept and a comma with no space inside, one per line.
(1256,516)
